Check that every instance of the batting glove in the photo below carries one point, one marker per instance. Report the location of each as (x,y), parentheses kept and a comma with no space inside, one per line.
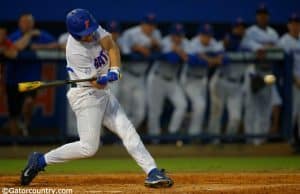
(113,74)
(102,79)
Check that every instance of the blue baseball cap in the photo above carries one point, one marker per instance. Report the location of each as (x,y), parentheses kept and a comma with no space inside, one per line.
(113,26)
(206,29)
(177,29)
(294,18)
(149,19)
(262,9)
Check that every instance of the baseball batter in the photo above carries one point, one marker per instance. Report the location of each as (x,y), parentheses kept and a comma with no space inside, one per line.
(164,82)
(91,52)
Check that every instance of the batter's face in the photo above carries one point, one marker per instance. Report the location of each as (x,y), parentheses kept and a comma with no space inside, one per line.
(88,38)
(205,39)
(262,19)
(26,23)
(294,28)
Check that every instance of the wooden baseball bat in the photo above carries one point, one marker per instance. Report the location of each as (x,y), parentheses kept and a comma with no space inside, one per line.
(28,86)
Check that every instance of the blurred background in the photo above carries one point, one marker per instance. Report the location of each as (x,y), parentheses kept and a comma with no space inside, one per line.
(197,77)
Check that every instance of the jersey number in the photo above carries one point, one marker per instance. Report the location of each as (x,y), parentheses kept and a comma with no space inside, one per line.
(101,60)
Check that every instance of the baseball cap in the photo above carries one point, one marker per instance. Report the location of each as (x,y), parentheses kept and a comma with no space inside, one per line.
(294,18)
(206,29)
(113,26)
(150,19)
(262,9)
(177,29)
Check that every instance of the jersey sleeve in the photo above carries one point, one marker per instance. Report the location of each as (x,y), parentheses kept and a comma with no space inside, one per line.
(63,38)
(46,37)
(192,47)
(126,42)
(102,32)
(218,47)
(249,42)
(186,46)
(284,44)
(157,35)
(15,36)
(166,45)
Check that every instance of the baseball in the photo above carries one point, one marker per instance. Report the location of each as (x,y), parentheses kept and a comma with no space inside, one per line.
(269,79)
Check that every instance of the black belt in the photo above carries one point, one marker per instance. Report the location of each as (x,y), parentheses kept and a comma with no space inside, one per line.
(233,80)
(165,77)
(135,74)
(195,76)
(74,85)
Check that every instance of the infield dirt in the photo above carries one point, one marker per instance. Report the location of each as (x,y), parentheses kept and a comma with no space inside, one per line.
(132,183)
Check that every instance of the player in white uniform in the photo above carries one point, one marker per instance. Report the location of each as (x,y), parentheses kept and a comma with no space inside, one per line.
(231,79)
(91,52)
(258,106)
(290,42)
(204,51)
(164,82)
(139,43)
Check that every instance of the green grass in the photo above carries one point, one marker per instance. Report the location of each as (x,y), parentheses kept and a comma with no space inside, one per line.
(194,164)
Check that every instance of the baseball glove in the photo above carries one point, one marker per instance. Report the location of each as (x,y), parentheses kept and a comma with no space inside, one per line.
(257,83)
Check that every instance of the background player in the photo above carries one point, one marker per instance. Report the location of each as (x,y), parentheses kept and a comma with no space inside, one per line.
(290,42)
(259,105)
(195,75)
(165,84)
(91,52)
(26,38)
(139,43)
(231,80)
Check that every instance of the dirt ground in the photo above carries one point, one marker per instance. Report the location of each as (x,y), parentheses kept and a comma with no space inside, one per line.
(225,183)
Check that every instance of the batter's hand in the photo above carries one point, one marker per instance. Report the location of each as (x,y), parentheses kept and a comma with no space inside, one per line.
(102,80)
(113,74)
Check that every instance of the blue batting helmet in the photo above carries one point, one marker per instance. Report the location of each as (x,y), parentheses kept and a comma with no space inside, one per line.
(80,23)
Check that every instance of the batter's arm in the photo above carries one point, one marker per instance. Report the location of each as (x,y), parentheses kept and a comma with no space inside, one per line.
(111,47)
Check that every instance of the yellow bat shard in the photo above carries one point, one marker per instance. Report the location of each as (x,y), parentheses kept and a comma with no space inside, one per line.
(28,86)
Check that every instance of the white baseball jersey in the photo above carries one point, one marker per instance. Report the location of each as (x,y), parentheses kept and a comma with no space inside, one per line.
(86,60)
(135,36)
(167,44)
(256,37)
(292,45)
(197,47)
